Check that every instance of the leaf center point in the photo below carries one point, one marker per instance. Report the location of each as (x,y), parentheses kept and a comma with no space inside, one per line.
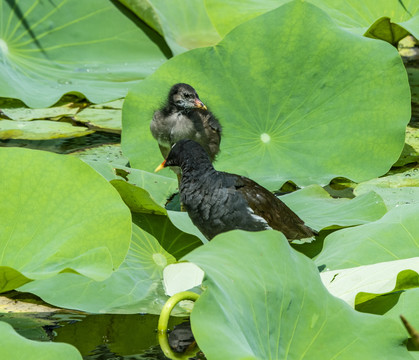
(265,137)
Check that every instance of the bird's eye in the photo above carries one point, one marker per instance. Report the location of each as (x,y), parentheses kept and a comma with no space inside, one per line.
(186,95)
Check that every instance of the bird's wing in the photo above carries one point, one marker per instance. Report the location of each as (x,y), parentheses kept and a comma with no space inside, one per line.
(278,215)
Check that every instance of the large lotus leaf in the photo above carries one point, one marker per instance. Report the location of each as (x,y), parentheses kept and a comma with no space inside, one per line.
(393,237)
(397,189)
(103,154)
(359,16)
(55,47)
(263,300)
(40,130)
(319,210)
(407,306)
(184,24)
(16,347)
(376,278)
(57,213)
(136,287)
(297,112)
(175,241)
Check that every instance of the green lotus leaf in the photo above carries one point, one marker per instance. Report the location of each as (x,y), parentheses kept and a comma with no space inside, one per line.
(174,240)
(184,24)
(16,110)
(40,130)
(261,301)
(388,20)
(393,237)
(103,154)
(16,347)
(319,210)
(57,47)
(136,287)
(397,189)
(101,119)
(347,284)
(407,306)
(296,127)
(58,214)
(377,303)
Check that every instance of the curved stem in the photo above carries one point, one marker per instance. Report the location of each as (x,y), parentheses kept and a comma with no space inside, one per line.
(163,321)
(170,304)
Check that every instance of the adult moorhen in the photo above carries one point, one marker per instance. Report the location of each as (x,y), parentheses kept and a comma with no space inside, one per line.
(218,201)
(185,117)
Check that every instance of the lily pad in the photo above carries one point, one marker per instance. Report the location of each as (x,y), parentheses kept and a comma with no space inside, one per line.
(111,154)
(397,189)
(58,214)
(275,312)
(393,237)
(40,130)
(376,278)
(296,127)
(185,25)
(16,347)
(388,20)
(102,119)
(57,47)
(16,110)
(136,287)
(319,210)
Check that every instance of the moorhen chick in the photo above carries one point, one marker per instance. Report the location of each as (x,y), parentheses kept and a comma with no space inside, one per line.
(218,201)
(185,117)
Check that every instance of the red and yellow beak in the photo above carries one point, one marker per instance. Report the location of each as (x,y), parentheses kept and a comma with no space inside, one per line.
(161,166)
(199,104)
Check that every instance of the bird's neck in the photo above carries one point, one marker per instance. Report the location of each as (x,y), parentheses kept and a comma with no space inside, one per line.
(195,172)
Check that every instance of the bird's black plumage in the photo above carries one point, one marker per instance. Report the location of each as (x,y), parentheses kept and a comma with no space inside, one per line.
(184,116)
(218,201)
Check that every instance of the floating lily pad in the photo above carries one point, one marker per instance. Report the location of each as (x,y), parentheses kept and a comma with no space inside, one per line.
(111,154)
(58,214)
(297,127)
(57,47)
(136,287)
(16,110)
(393,237)
(40,130)
(185,25)
(280,311)
(16,347)
(397,189)
(102,119)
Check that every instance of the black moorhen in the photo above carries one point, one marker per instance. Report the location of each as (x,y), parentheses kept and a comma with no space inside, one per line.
(185,117)
(218,201)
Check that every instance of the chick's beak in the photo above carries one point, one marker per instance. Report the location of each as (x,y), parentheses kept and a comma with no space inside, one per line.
(161,166)
(199,104)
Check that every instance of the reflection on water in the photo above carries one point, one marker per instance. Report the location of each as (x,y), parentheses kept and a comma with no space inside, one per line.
(66,145)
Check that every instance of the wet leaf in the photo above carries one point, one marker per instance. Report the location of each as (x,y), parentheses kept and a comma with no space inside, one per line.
(397,189)
(103,119)
(296,127)
(40,130)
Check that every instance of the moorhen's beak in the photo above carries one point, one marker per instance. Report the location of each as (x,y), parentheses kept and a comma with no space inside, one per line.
(161,166)
(199,104)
